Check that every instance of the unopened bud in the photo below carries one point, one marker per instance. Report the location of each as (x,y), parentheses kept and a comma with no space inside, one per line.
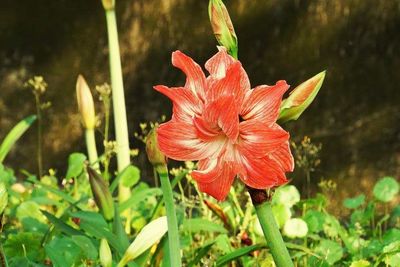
(154,154)
(300,98)
(105,253)
(222,26)
(101,194)
(108,4)
(85,103)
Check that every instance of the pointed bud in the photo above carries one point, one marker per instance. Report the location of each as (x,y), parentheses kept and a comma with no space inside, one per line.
(108,4)
(105,253)
(85,103)
(101,194)
(300,98)
(147,237)
(155,156)
(222,26)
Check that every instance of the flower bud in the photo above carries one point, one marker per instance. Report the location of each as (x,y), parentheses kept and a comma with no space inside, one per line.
(101,194)
(108,4)
(300,98)
(105,253)
(154,154)
(147,237)
(222,26)
(85,103)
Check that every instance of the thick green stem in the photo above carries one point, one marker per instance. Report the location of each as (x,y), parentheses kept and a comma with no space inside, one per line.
(262,204)
(173,234)
(91,148)
(120,121)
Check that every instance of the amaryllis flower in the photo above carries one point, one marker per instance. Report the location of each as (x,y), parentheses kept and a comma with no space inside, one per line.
(229,128)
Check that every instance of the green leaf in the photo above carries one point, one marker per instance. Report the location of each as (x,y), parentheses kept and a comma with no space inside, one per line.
(331,251)
(75,165)
(137,197)
(130,176)
(199,225)
(386,189)
(281,213)
(118,228)
(237,254)
(200,253)
(25,245)
(391,236)
(63,252)
(295,228)
(61,225)
(286,195)
(29,209)
(89,251)
(14,135)
(3,197)
(353,203)
(360,263)
(315,220)
(94,224)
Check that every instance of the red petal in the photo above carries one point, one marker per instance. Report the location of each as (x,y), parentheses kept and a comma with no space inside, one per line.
(224,114)
(195,78)
(230,85)
(219,187)
(262,173)
(185,103)
(207,170)
(179,141)
(206,131)
(219,63)
(258,140)
(263,102)
(283,157)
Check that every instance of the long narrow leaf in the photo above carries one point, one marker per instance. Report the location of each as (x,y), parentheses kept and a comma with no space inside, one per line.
(14,135)
(61,225)
(237,254)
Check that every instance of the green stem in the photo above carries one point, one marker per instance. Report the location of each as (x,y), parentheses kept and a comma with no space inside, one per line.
(262,204)
(91,148)
(173,234)
(39,135)
(118,97)
(3,259)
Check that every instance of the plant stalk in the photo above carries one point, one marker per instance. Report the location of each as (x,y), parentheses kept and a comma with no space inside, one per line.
(39,135)
(118,97)
(91,148)
(262,204)
(173,234)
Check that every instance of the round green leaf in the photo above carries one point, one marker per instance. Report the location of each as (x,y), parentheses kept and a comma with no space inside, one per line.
(130,176)
(295,228)
(386,189)
(315,220)
(353,203)
(281,213)
(30,209)
(286,195)
(330,250)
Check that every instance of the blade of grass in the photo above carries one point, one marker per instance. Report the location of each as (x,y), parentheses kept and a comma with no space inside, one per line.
(14,135)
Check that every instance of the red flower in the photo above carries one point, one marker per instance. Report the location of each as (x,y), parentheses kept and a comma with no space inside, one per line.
(228,127)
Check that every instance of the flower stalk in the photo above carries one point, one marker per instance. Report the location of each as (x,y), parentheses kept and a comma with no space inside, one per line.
(261,201)
(117,87)
(159,162)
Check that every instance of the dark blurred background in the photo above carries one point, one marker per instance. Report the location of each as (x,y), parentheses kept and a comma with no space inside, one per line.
(356,115)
